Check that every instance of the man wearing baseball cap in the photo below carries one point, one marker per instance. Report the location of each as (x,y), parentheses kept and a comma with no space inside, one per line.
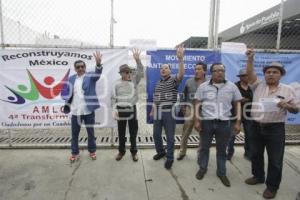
(271,102)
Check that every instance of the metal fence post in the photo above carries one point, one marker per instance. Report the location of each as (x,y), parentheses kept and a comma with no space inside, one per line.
(1,25)
(279,26)
(112,136)
(112,21)
(210,41)
(216,24)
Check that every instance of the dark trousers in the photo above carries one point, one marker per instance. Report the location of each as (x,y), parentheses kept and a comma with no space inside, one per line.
(247,125)
(89,121)
(272,137)
(166,121)
(222,132)
(127,114)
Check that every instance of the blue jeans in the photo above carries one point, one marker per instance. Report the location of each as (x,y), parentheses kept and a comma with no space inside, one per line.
(89,121)
(272,137)
(247,124)
(167,122)
(221,131)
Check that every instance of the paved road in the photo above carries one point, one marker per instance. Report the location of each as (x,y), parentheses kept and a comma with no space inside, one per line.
(47,175)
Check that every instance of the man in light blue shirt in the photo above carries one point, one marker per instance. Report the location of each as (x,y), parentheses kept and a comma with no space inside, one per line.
(214,100)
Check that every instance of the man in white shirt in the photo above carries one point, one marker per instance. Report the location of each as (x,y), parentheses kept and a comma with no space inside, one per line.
(80,92)
(271,102)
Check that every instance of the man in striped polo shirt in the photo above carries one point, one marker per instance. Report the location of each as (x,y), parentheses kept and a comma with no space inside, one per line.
(271,102)
(163,110)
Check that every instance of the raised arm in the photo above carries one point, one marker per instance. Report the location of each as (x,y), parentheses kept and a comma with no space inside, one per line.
(180,56)
(140,68)
(250,66)
(98,59)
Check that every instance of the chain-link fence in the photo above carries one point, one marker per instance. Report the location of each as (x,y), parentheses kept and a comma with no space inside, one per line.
(55,23)
(35,23)
(107,23)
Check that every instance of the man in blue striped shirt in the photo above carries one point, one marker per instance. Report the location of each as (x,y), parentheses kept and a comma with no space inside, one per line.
(165,96)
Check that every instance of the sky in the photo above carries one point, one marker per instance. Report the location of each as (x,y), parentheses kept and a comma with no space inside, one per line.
(168,22)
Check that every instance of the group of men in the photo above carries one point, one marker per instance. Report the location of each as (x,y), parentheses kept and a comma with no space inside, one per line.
(216,108)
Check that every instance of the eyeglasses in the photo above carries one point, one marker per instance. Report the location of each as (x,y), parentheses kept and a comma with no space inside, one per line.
(80,66)
(218,70)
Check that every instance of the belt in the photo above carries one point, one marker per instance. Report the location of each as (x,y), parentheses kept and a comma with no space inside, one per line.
(266,124)
(125,107)
(165,106)
(218,120)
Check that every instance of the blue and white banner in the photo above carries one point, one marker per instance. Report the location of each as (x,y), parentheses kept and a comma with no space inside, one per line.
(291,62)
(159,57)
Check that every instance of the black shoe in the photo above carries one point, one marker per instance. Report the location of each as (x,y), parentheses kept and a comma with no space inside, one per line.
(180,157)
(168,164)
(159,156)
(225,180)
(134,156)
(247,157)
(268,194)
(253,181)
(119,156)
(200,174)
(229,156)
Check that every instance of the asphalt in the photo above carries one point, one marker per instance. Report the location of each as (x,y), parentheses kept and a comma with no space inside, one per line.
(43,174)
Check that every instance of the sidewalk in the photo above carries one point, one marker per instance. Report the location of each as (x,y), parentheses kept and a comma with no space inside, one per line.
(47,175)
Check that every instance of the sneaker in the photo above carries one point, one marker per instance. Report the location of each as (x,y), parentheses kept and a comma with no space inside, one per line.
(180,157)
(225,180)
(253,181)
(159,156)
(119,156)
(74,157)
(93,156)
(200,174)
(168,164)
(134,157)
(268,194)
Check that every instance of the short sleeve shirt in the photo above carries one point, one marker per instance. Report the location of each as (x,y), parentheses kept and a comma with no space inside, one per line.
(216,101)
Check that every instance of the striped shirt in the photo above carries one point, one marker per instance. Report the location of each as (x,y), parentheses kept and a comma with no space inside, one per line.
(166,91)
(264,104)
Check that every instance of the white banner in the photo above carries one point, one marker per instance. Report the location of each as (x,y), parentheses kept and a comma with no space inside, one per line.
(31,82)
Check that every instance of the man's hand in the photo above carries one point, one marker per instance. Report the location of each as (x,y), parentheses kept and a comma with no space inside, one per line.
(284,104)
(180,52)
(237,128)
(197,126)
(136,54)
(250,54)
(98,57)
(244,100)
(183,109)
(151,114)
(115,115)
